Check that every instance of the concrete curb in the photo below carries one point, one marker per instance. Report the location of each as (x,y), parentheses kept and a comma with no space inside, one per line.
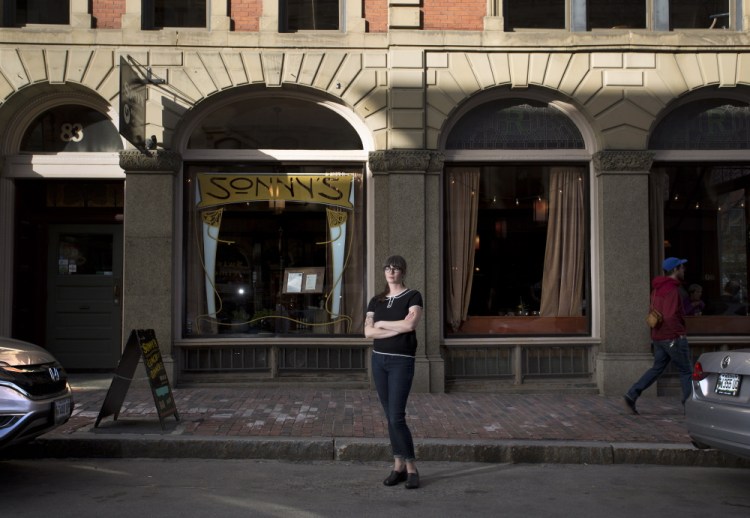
(366,450)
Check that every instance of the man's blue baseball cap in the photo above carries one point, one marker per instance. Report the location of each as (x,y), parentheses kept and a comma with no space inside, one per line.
(670,263)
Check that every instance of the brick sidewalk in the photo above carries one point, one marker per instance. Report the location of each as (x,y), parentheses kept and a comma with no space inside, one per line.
(323,413)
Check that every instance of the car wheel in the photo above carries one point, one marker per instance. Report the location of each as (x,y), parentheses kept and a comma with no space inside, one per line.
(700,445)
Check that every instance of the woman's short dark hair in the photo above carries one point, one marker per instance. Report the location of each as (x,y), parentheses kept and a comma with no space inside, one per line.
(397,261)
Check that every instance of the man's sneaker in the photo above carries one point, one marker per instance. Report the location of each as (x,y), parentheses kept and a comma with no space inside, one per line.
(629,405)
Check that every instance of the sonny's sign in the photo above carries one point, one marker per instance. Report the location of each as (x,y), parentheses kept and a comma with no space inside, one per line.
(224,189)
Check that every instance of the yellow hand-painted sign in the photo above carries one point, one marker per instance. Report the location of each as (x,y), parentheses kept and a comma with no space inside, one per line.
(223,189)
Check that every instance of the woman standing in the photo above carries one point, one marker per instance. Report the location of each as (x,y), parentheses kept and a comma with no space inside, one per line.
(392,317)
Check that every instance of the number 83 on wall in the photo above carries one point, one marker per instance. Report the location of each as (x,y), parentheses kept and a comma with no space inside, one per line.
(71,132)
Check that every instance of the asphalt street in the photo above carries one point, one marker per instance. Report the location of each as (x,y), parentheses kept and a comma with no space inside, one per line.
(228,488)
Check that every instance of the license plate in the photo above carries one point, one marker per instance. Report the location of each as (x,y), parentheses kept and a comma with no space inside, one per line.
(62,410)
(728,384)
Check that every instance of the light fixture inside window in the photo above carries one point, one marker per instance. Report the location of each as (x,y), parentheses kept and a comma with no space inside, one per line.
(541,210)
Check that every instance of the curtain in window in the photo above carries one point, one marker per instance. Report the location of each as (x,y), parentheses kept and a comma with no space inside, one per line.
(658,193)
(564,258)
(463,204)
(337,233)
(352,309)
(211,229)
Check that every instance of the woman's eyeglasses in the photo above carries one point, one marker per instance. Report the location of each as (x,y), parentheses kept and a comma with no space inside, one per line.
(392,269)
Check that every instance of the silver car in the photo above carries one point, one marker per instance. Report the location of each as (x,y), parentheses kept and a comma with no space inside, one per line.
(718,413)
(35,396)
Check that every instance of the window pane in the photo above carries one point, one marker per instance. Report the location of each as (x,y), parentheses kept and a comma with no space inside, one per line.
(709,124)
(84,254)
(534,14)
(42,11)
(274,124)
(272,249)
(312,15)
(705,221)
(179,13)
(616,14)
(515,124)
(516,250)
(71,128)
(699,14)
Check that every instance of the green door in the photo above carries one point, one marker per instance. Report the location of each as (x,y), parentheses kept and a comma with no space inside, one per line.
(84,284)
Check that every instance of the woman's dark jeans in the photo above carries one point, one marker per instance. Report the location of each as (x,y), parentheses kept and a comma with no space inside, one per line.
(393,376)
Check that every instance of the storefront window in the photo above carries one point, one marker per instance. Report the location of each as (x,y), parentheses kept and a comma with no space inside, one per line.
(516,235)
(274,249)
(706,222)
(516,250)
(699,211)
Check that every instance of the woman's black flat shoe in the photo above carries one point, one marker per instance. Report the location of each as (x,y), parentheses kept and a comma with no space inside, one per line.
(412,481)
(394,478)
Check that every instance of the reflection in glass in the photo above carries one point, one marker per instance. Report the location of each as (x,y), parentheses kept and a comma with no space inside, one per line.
(699,14)
(264,123)
(85,254)
(707,124)
(515,124)
(534,14)
(179,13)
(244,250)
(705,221)
(516,247)
(312,15)
(41,12)
(71,128)
(616,14)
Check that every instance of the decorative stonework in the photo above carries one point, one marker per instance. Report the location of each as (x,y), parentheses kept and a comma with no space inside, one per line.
(437,160)
(405,161)
(611,161)
(133,160)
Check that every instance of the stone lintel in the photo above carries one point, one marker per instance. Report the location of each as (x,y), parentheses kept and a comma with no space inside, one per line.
(416,160)
(161,160)
(623,161)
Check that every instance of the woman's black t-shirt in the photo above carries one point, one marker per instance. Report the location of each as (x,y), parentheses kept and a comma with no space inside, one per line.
(395,308)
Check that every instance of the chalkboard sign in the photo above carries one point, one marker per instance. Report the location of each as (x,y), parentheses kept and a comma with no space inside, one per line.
(141,344)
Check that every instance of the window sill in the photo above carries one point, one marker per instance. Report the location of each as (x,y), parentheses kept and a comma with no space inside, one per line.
(718,325)
(531,325)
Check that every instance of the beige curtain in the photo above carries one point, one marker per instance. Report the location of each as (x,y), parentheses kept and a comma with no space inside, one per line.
(564,258)
(462,207)
(658,193)
(352,309)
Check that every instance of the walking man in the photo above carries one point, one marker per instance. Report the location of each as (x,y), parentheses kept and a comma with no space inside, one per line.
(669,340)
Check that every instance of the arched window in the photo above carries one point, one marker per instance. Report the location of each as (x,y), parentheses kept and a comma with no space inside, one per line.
(274,123)
(274,244)
(516,232)
(71,128)
(699,202)
(515,124)
(706,124)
